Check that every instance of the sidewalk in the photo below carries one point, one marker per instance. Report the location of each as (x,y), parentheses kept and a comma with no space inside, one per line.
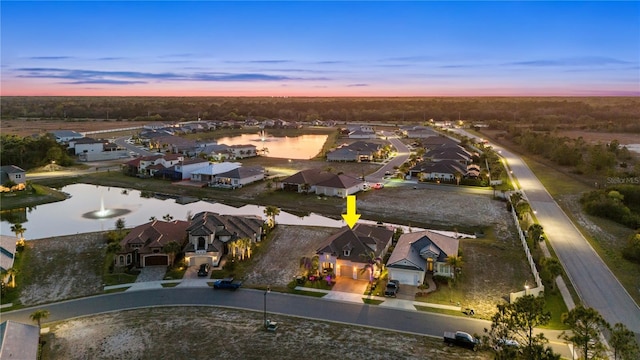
(386,302)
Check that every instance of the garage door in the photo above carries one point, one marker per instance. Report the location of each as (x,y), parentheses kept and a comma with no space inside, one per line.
(199,260)
(405,277)
(346,271)
(363,275)
(154,260)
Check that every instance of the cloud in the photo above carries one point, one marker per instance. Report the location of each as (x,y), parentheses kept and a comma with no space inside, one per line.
(275,61)
(417,58)
(575,61)
(357,85)
(50,57)
(78,76)
(110,58)
(104,81)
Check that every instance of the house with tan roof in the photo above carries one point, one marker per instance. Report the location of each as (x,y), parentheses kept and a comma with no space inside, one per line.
(345,252)
(322,182)
(420,254)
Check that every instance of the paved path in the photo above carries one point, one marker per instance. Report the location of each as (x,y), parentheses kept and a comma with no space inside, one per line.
(595,283)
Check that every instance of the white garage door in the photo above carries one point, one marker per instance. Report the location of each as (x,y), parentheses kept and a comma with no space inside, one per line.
(406,277)
(199,260)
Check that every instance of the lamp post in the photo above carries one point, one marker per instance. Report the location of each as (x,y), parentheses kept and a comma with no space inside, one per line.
(526,289)
(265,305)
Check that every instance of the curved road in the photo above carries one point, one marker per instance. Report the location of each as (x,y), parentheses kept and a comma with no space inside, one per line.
(421,323)
(595,283)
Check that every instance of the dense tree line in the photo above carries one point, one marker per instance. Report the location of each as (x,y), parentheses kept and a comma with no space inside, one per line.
(31,152)
(611,113)
(620,204)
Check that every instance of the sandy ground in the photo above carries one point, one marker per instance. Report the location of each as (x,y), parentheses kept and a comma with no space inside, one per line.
(280,263)
(231,334)
(63,267)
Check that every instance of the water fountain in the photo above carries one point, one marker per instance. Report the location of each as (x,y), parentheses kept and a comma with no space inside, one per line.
(105,213)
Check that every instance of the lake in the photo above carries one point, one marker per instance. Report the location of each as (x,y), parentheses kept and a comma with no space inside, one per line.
(70,216)
(302,147)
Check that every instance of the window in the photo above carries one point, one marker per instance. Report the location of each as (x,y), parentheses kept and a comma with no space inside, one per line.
(128,259)
(347,252)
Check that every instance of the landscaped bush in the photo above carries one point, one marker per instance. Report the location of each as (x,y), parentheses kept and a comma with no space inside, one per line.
(631,252)
(612,205)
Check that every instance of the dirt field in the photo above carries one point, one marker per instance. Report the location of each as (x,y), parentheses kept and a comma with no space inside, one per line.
(602,137)
(63,267)
(280,262)
(231,334)
(30,127)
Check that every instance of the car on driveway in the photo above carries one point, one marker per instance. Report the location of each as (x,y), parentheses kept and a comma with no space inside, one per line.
(204,270)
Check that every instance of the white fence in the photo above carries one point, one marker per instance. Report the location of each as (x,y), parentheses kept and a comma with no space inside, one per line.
(523,239)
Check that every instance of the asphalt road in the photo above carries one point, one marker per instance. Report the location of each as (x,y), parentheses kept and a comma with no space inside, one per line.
(402,156)
(421,323)
(595,283)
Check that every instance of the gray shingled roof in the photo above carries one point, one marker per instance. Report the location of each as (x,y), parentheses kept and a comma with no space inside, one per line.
(411,245)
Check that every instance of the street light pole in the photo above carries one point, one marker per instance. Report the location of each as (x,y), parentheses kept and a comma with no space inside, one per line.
(265,305)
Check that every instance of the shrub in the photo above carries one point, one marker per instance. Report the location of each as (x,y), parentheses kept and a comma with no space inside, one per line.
(631,251)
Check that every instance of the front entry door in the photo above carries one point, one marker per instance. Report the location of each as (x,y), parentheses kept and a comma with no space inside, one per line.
(430,264)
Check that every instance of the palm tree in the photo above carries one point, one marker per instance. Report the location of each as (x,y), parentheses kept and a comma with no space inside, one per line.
(535,232)
(234,245)
(153,218)
(271,212)
(18,230)
(172,249)
(167,217)
(373,263)
(12,272)
(455,262)
(39,315)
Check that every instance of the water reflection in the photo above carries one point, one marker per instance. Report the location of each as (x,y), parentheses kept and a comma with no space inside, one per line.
(299,147)
(66,217)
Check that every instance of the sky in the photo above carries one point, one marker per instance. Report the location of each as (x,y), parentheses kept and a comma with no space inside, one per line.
(306,48)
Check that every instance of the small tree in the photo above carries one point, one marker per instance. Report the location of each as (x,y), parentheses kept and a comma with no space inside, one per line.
(120,225)
(372,263)
(535,232)
(114,247)
(552,268)
(18,230)
(455,262)
(271,212)
(172,249)
(624,343)
(12,272)
(585,325)
(39,315)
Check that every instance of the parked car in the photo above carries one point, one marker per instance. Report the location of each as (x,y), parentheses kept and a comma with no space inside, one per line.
(461,338)
(377,185)
(392,288)
(204,270)
(227,283)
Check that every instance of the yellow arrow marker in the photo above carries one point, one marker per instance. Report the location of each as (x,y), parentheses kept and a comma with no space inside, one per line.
(351,218)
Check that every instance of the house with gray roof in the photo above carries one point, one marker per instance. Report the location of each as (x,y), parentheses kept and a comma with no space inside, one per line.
(12,173)
(239,177)
(444,170)
(19,341)
(322,182)
(345,253)
(209,235)
(420,254)
(64,136)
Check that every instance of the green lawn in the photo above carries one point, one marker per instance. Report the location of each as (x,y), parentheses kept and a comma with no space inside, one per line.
(25,198)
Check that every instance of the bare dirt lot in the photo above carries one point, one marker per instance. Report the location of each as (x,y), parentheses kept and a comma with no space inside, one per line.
(24,127)
(231,334)
(63,267)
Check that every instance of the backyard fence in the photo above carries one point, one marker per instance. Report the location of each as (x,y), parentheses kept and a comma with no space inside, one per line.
(523,239)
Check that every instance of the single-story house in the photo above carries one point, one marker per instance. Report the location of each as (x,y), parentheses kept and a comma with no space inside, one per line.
(64,136)
(144,245)
(7,254)
(322,183)
(208,173)
(434,142)
(358,151)
(19,341)
(239,177)
(444,170)
(209,235)
(86,145)
(12,173)
(242,151)
(346,252)
(457,153)
(420,254)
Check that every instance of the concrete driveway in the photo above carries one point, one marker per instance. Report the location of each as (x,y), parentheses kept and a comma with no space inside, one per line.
(345,284)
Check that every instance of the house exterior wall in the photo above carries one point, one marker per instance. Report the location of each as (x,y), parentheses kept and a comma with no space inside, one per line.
(437,175)
(443,269)
(17,177)
(186,170)
(89,148)
(329,191)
